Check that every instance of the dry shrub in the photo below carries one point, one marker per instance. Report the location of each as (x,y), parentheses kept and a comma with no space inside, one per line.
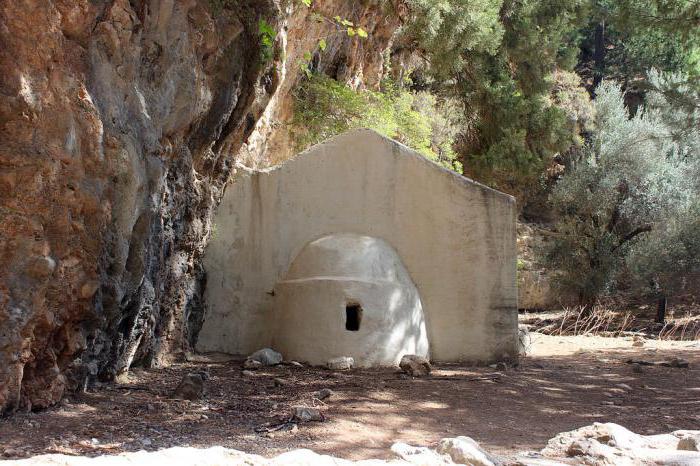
(602,321)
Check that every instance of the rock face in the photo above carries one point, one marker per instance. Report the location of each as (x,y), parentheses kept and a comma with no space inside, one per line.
(120,124)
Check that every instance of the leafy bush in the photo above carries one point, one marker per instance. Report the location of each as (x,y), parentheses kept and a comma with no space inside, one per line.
(324,108)
(667,261)
(638,35)
(633,180)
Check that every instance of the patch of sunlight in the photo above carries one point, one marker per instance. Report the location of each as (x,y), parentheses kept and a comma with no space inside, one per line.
(432,405)
(552,389)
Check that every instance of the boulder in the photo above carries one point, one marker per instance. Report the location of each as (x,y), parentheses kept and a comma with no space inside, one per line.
(306,414)
(267,357)
(252,364)
(340,364)
(415,366)
(613,444)
(418,455)
(465,450)
(191,387)
(324,393)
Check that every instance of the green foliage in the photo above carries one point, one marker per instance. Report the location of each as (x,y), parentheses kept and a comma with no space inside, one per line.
(444,29)
(344,25)
(635,178)
(645,34)
(267,40)
(325,108)
(500,58)
(677,97)
(669,256)
(624,39)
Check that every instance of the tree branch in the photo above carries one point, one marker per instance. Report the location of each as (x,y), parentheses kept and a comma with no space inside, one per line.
(632,234)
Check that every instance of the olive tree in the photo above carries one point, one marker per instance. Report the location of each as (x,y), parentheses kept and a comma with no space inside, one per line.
(632,176)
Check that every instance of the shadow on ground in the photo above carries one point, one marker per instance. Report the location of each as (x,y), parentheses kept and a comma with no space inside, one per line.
(507,411)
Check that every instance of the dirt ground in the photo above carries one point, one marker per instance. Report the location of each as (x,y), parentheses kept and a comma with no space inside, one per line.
(566,383)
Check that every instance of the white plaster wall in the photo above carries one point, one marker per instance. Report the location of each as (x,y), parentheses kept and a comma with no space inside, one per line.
(329,273)
(455,237)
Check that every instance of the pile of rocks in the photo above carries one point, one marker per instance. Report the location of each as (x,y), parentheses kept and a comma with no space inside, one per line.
(613,444)
(597,444)
(460,450)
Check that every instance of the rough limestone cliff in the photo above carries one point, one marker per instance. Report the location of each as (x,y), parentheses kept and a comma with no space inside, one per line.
(121,122)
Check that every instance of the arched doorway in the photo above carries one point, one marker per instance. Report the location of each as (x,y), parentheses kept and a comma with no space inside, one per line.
(348,295)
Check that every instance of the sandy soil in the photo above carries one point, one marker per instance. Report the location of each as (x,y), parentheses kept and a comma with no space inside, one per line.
(566,383)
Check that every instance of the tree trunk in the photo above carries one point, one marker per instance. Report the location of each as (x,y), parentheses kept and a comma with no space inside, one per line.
(661,309)
(599,54)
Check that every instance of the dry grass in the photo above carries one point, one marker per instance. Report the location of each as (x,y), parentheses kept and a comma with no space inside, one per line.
(603,321)
(683,328)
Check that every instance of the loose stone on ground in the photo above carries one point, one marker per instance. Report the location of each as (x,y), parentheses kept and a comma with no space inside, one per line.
(415,366)
(340,364)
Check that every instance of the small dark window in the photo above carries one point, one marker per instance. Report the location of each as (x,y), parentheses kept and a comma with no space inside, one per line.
(353,316)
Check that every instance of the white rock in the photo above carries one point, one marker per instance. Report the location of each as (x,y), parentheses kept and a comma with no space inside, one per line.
(613,444)
(266,356)
(524,340)
(465,450)
(304,458)
(418,455)
(522,460)
(415,366)
(340,364)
